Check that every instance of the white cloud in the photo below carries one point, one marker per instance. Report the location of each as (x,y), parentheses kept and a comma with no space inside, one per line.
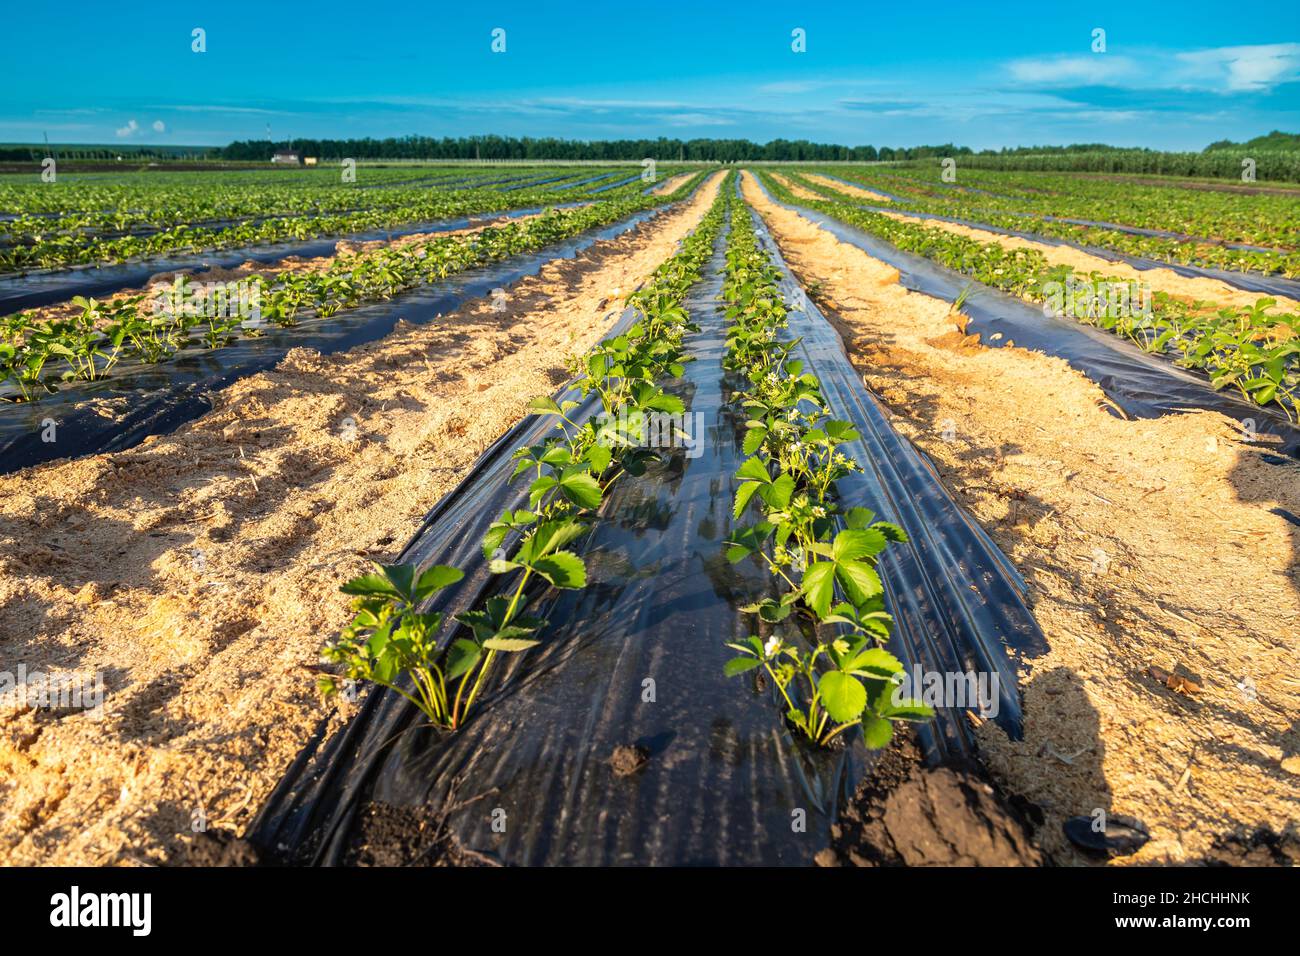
(130,129)
(1085,70)
(1230,69)
(697,119)
(159,126)
(1244,69)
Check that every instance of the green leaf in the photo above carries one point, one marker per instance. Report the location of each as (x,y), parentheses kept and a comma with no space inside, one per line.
(910,710)
(598,456)
(461,657)
(738,665)
(858,517)
(891,531)
(438,576)
(564,569)
(581,487)
(876,661)
(843,696)
(369,584)
(743,495)
(402,577)
(552,536)
(544,406)
(754,440)
(818,586)
(860,581)
(510,644)
(876,733)
(777,494)
(850,545)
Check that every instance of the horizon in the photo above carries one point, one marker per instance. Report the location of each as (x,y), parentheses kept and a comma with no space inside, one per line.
(1024,77)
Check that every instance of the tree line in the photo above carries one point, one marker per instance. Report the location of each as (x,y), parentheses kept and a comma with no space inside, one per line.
(507,148)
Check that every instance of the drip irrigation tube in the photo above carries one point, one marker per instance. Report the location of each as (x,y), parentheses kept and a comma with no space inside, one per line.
(636,659)
(1140,384)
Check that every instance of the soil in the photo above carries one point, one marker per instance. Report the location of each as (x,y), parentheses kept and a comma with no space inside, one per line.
(799,192)
(1155,543)
(1263,847)
(246,270)
(1178,183)
(908,814)
(384,835)
(671,183)
(198,573)
(847,189)
(627,759)
(1160,280)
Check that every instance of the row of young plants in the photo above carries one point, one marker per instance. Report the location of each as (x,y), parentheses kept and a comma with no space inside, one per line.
(396,644)
(73,206)
(1179,215)
(1253,350)
(159,193)
(39,356)
(417,205)
(1225,214)
(1231,213)
(833,671)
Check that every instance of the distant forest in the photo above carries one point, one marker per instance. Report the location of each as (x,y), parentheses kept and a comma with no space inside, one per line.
(707,150)
(1277,154)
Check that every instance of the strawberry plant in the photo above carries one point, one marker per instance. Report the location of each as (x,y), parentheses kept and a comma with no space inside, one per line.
(837,674)
(129,328)
(569,474)
(1251,349)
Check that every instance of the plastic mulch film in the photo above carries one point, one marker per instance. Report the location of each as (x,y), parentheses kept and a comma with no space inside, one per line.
(44,287)
(636,659)
(1270,285)
(1140,384)
(137,400)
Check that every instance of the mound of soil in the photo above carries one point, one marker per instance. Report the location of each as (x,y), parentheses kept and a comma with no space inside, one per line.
(220,848)
(1262,847)
(908,814)
(385,835)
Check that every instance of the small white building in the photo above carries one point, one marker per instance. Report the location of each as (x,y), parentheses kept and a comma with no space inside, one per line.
(285,158)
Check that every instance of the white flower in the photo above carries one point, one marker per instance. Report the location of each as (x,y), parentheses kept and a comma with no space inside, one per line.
(772,646)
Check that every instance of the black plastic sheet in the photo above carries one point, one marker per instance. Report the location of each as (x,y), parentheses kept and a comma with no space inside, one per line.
(137,400)
(1142,385)
(725,782)
(1270,285)
(43,287)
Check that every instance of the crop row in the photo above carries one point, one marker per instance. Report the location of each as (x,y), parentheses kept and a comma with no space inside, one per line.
(1251,349)
(393,643)
(166,198)
(1274,165)
(36,356)
(160,208)
(837,673)
(1183,213)
(50,251)
(1265,219)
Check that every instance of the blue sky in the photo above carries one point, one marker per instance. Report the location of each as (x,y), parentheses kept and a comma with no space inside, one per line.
(1173,76)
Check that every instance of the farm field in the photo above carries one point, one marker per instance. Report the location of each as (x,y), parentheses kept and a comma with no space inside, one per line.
(294,473)
(439,443)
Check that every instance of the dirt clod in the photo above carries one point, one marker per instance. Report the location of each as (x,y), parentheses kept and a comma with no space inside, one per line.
(908,814)
(627,760)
